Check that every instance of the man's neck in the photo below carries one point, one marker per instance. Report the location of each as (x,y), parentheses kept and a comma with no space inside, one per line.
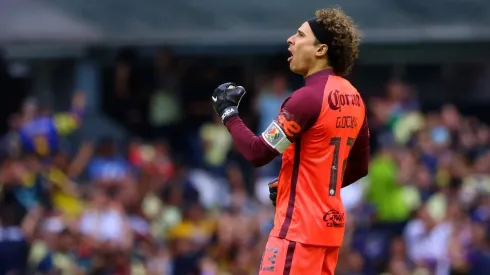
(316,69)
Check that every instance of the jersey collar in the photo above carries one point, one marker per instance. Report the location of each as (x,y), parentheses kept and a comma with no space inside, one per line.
(318,75)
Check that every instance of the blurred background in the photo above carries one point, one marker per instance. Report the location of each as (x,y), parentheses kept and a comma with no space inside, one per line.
(113,161)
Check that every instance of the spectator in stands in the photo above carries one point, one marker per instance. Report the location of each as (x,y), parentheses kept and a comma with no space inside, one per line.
(216,143)
(104,221)
(267,104)
(15,239)
(166,112)
(10,142)
(65,193)
(40,132)
(107,167)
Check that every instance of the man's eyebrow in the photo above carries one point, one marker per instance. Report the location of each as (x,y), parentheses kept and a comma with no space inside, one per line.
(300,32)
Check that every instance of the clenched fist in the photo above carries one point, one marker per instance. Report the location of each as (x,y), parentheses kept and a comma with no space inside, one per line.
(226,98)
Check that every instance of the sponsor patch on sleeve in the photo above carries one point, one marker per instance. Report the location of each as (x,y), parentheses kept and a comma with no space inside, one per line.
(276,138)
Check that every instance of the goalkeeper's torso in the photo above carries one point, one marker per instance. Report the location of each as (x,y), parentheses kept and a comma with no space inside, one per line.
(309,208)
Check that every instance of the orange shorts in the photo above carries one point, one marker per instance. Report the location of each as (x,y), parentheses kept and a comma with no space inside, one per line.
(291,258)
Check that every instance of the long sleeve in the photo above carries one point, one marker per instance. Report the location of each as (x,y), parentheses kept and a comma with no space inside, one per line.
(297,114)
(252,147)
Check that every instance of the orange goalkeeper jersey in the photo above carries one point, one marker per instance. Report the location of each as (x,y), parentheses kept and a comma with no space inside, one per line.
(321,122)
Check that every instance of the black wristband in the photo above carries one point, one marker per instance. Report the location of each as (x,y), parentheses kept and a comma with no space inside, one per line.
(228,112)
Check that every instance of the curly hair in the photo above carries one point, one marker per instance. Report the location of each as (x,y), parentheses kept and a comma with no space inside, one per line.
(344,48)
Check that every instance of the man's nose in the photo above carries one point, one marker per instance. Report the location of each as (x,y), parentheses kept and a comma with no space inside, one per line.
(290,40)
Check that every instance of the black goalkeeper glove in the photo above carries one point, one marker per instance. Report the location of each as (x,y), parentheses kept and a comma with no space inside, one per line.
(226,99)
(273,190)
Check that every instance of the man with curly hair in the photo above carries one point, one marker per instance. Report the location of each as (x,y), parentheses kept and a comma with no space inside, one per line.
(322,133)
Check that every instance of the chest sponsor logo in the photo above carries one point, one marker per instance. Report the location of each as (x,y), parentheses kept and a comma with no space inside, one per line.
(336,100)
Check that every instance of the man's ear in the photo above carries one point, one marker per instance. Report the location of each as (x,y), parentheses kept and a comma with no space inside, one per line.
(321,50)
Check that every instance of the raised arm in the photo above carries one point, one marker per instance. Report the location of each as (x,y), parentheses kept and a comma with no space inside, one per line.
(298,113)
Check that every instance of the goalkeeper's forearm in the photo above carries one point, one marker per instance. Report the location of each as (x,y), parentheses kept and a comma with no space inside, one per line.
(252,147)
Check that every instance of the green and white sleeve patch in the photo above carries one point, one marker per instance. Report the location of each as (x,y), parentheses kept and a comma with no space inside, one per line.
(276,138)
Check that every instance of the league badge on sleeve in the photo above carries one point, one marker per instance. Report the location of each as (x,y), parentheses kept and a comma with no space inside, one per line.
(276,138)
(273,134)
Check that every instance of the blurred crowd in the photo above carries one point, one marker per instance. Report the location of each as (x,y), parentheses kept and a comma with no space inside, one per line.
(177,198)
